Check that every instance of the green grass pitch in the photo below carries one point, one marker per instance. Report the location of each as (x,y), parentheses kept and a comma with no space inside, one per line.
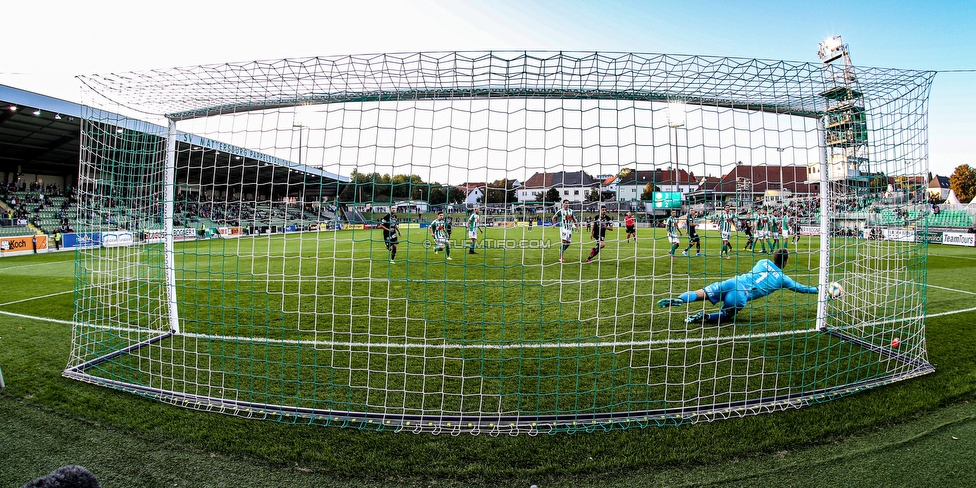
(55,421)
(324,321)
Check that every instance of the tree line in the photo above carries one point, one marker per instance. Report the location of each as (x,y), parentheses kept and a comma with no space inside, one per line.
(382,188)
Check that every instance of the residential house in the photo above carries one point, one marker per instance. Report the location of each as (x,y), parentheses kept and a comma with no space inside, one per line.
(474,193)
(572,185)
(631,185)
(939,188)
(746,185)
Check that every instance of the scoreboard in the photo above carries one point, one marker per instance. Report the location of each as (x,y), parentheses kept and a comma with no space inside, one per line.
(666,200)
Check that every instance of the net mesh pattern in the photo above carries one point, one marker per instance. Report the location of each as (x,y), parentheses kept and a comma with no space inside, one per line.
(385,241)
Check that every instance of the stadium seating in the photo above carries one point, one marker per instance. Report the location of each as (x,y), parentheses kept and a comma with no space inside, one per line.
(950,218)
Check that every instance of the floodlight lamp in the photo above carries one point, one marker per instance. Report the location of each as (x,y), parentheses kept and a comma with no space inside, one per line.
(37,112)
(118,130)
(676,113)
(57,116)
(831,49)
(13,108)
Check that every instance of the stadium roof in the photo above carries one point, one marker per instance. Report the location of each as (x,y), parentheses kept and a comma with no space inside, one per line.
(41,135)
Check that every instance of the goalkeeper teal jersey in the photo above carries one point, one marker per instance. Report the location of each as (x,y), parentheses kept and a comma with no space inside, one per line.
(764,278)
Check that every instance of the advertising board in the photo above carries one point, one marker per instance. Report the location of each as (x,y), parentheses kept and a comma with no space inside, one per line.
(900,235)
(959,239)
(929,236)
(229,232)
(22,244)
(117,238)
(83,239)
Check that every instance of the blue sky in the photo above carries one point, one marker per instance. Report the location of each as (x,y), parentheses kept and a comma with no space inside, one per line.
(58,40)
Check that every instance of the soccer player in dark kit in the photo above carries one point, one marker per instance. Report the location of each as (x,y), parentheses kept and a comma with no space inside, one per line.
(599,232)
(391,233)
(693,237)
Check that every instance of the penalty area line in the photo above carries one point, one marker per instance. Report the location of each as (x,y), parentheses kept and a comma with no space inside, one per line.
(36,298)
(952,289)
(41,319)
(530,345)
(447,346)
(80,324)
(408,345)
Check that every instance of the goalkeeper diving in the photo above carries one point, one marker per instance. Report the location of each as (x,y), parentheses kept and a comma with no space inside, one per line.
(734,293)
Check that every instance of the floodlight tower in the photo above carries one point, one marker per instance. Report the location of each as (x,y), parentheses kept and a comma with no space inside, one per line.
(845,121)
(677,112)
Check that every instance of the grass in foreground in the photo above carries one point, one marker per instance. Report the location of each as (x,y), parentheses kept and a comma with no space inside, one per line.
(105,422)
(508,331)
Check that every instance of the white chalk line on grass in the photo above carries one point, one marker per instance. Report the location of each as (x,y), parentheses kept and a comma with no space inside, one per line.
(953,256)
(610,280)
(952,289)
(446,346)
(36,298)
(33,265)
(436,346)
(951,312)
(40,319)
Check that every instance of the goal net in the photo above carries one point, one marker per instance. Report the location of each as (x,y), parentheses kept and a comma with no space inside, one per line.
(499,242)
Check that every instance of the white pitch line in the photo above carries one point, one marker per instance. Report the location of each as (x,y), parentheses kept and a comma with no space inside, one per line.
(953,257)
(41,319)
(36,298)
(530,345)
(953,289)
(951,312)
(344,279)
(446,346)
(6,268)
(443,346)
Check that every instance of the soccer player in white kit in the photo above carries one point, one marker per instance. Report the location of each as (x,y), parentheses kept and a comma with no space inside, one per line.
(566,221)
(473,225)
